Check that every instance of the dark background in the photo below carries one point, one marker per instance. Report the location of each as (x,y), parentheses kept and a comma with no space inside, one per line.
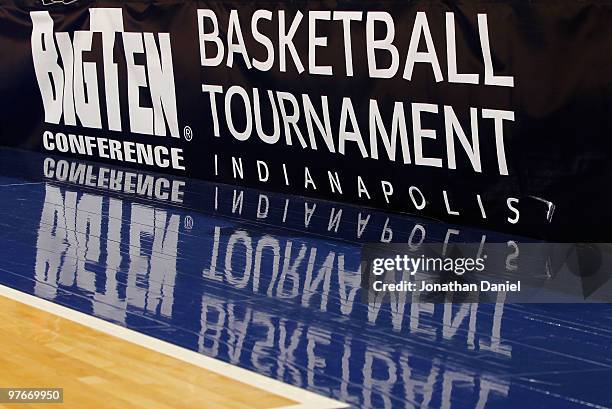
(557,148)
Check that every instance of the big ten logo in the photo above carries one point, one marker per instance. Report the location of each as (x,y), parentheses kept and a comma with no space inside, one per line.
(69,84)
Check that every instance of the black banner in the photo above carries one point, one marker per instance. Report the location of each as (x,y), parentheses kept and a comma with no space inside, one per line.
(494,114)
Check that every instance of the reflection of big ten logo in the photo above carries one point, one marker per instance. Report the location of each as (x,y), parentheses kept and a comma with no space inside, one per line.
(71,89)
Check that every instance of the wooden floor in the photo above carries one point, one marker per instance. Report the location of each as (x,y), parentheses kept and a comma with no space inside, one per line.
(97,370)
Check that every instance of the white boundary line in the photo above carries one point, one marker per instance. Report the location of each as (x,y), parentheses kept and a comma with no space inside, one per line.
(306,399)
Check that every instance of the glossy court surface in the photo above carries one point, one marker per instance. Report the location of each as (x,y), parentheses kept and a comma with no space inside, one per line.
(269,284)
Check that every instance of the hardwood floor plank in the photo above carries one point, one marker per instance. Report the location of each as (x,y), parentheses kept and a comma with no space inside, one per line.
(98,370)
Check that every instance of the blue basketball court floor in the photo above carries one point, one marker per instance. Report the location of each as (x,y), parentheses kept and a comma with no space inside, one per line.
(270,283)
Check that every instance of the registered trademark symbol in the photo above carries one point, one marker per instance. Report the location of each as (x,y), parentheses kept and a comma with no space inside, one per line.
(188,133)
(188,222)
